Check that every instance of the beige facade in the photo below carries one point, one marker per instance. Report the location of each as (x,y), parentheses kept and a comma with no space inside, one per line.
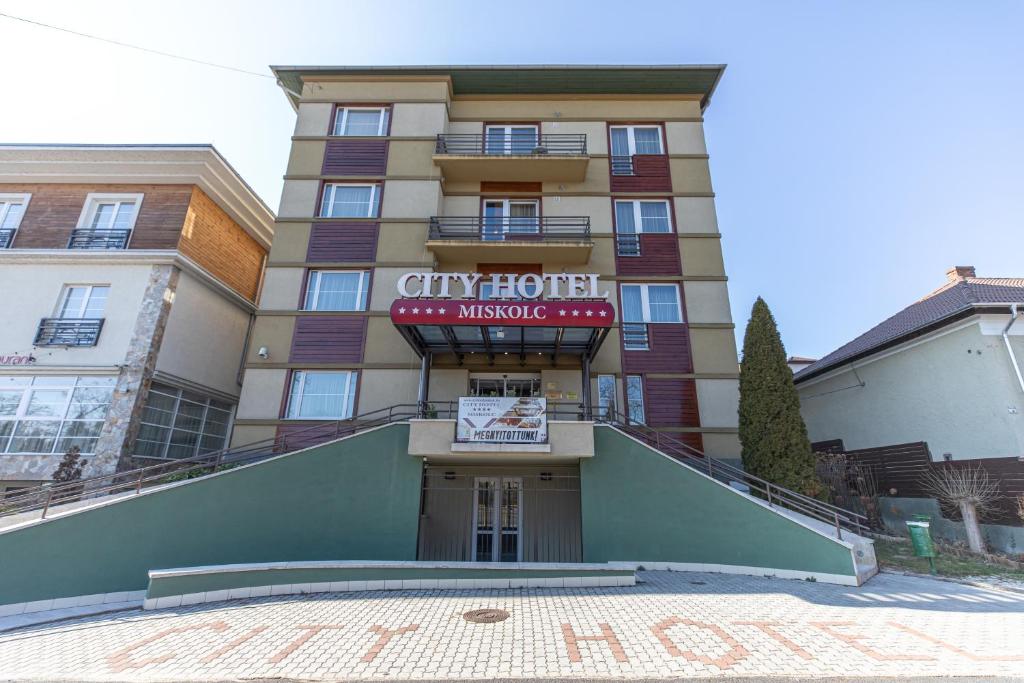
(417,184)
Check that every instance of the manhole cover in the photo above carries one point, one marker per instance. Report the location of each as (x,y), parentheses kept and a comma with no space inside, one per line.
(485,616)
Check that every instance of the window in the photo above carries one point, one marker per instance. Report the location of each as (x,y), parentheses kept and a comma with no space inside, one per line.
(350,201)
(503,216)
(369,121)
(337,290)
(51,414)
(635,397)
(110,211)
(630,140)
(12,209)
(316,395)
(511,139)
(640,216)
(181,424)
(651,304)
(606,403)
(83,301)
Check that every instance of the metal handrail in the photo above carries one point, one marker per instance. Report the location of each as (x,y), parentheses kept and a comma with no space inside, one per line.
(99,239)
(510,229)
(68,332)
(516,144)
(49,495)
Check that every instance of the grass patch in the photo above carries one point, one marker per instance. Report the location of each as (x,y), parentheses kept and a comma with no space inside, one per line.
(900,556)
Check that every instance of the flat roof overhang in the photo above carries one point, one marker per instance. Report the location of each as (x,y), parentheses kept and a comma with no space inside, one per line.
(698,80)
(491,328)
(513,167)
(569,252)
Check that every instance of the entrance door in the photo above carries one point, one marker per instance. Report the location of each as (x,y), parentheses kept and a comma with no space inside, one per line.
(497,519)
(512,385)
(503,216)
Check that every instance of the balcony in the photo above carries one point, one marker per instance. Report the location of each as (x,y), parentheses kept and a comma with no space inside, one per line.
(68,332)
(526,158)
(6,237)
(561,239)
(99,239)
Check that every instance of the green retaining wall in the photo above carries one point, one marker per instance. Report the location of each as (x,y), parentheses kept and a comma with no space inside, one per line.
(639,506)
(355,499)
(200,583)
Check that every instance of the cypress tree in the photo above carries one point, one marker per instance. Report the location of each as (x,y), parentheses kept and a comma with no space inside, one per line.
(772,431)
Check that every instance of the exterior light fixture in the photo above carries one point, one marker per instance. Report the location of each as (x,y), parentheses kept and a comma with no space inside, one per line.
(263,352)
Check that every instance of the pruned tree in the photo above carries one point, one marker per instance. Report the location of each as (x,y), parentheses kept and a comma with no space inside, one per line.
(773,436)
(968,488)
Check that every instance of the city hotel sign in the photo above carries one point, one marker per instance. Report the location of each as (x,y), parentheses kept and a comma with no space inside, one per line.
(570,300)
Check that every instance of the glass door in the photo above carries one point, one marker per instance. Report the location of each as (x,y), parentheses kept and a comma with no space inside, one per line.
(497,519)
(511,139)
(503,216)
(512,385)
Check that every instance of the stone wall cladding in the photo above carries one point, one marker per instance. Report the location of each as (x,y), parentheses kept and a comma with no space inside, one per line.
(220,245)
(121,426)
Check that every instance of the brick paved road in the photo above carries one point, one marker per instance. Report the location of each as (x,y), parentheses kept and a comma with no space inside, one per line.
(674,624)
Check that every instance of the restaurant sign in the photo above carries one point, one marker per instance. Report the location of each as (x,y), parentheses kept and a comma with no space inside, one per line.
(493,419)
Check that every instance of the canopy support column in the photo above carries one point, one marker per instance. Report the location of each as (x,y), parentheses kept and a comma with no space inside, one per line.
(585,393)
(424,387)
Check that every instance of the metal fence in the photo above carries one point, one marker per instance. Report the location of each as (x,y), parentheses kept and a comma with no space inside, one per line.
(510,229)
(527,143)
(68,332)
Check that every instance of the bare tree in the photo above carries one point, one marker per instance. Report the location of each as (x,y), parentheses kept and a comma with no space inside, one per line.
(968,488)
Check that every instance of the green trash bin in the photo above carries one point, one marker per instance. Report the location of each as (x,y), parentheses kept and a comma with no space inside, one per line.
(921,538)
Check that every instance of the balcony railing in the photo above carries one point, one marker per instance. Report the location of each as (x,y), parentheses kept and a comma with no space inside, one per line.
(524,229)
(68,332)
(99,239)
(528,144)
(627,244)
(622,165)
(635,337)
(6,237)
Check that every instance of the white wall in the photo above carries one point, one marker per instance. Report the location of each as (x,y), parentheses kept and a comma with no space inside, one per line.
(204,338)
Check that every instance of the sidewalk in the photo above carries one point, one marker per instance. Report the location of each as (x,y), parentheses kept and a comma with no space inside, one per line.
(672,625)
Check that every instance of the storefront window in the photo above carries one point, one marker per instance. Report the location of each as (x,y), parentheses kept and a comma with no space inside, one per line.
(52,414)
(181,424)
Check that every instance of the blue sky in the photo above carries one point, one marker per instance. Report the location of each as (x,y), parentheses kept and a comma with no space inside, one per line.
(858,149)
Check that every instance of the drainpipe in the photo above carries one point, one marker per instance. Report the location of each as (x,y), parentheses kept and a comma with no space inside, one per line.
(1014,314)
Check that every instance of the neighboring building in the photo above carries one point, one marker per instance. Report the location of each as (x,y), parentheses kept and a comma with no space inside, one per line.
(798,363)
(130,274)
(946,371)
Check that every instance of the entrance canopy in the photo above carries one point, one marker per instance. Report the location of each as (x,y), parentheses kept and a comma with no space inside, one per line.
(464,326)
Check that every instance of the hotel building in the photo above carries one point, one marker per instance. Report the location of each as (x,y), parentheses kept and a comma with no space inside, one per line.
(130,276)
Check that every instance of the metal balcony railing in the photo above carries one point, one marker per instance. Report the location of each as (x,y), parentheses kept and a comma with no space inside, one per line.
(524,229)
(622,165)
(635,337)
(6,237)
(99,239)
(627,244)
(68,332)
(526,144)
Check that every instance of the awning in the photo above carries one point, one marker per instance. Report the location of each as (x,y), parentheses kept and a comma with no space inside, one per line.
(522,328)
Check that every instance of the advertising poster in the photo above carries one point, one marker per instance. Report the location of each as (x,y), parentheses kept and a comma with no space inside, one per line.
(487,419)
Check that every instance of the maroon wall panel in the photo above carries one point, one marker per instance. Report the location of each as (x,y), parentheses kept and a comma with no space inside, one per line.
(671,402)
(659,255)
(669,351)
(328,339)
(343,241)
(356,157)
(650,174)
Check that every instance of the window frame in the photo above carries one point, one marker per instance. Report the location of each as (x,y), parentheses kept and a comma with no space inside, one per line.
(93,201)
(313,290)
(630,400)
(507,148)
(8,199)
(328,189)
(602,409)
(630,129)
(341,119)
(165,442)
(350,394)
(645,302)
(28,390)
(66,293)
(638,224)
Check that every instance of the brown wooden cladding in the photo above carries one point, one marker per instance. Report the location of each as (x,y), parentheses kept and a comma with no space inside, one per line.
(671,402)
(343,241)
(328,339)
(650,174)
(54,209)
(355,157)
(659,255)
(669,351)
(221,246)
